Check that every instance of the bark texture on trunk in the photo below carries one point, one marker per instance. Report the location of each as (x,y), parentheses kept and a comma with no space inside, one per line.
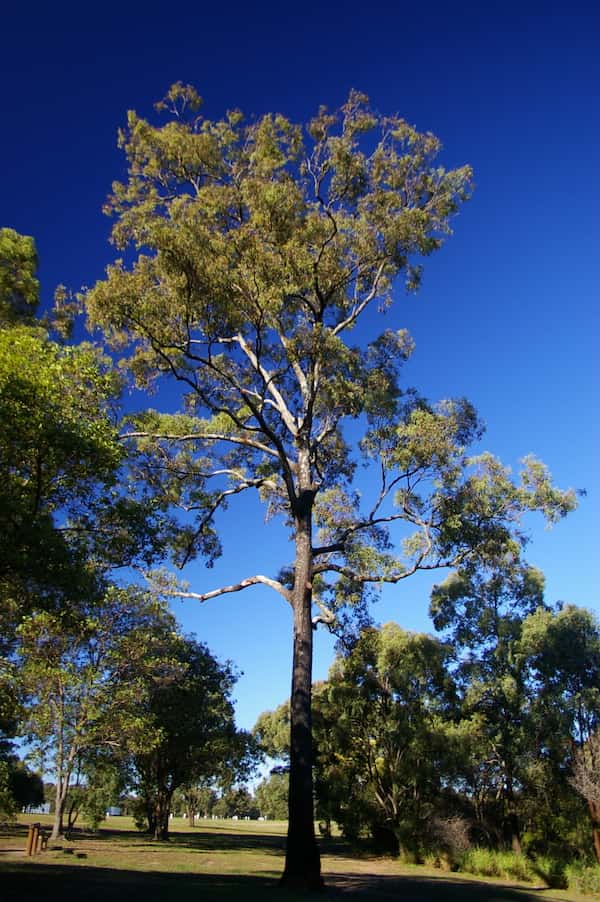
(594,809)
(303,863)
(161,817)
(59,811)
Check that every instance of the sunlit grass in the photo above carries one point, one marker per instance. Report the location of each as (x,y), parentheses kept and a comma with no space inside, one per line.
(221,859)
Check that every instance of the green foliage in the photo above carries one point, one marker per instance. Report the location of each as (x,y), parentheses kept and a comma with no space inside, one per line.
(104,784)
(382,737)
(82,680)
(272,731)
(19,287)
(583,878)
(236,802)
(189,716)
(271,796)
(27,787)
(481,610)
(8,806)
(68,511)
(563,649)
(194,799)
(505,865)
(58,446)
(259,245)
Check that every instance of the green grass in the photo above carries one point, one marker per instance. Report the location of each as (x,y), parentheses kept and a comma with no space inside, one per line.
(219,860)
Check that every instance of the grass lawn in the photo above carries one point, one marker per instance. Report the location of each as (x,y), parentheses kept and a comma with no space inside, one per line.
(220,860)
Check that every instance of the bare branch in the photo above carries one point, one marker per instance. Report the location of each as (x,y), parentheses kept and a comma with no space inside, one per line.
(358,308)
(203,436)
(259,579)
(242,486)
(267,377)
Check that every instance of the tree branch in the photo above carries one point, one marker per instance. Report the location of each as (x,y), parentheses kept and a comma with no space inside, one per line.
(203,436)
(235,587)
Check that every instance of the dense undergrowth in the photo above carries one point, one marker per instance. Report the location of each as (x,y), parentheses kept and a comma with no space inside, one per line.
(551,871)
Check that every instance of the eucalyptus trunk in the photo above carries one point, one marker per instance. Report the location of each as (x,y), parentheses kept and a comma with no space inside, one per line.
(302,863)
(594,809)
(162,810)
(59,809)
(513,826)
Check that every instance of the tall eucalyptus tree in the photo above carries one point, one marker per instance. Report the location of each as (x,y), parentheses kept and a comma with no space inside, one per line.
(256,250)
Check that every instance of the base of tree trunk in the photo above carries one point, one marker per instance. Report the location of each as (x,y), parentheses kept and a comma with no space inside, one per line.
(305,883)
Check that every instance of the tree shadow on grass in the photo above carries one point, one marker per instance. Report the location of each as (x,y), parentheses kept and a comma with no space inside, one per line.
(197,840)
(366,888)
(26,881)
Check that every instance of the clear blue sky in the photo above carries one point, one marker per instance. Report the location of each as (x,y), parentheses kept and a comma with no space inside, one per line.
(508,313)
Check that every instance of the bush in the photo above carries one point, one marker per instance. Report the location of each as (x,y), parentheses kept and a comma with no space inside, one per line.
(552,870)
(7,802)
(446,841)
(489,863)
(583,878)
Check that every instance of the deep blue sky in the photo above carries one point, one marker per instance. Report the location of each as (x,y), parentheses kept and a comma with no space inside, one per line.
(508,313)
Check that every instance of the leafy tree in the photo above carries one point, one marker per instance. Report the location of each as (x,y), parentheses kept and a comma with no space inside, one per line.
(19,287)
(26,786)
(236,802)
(68,513)
(195,799)
(191,717)
(562,651)
(383,735)
(586,780)
(272,732)
(98,785)
(258,247)
(271,795)
(58,444)
(67,510)
(82,681)
(481,611)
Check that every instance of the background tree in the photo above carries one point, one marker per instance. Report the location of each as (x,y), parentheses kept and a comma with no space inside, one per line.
(271,795)
(236,802)
(82,681)
(383,715)
(26,786)
(586,780)
(196,799)
(67,510)
(257,248)
(99,784)
(562,651)
(481,611)
(19,287)
(191,718)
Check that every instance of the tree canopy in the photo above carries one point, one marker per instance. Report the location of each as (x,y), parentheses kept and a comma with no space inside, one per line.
(191,721)
(82,680)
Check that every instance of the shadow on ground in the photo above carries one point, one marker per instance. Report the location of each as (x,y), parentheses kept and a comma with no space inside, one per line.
(26,881)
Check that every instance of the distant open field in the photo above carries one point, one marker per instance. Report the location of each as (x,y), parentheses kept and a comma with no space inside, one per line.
(220,860)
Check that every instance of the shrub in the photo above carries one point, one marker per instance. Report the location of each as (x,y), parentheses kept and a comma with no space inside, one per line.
(446,839)
(7,802)
(489,863)
(551,869)
(583,878)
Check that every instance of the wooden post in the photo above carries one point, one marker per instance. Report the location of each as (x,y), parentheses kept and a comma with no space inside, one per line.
(33,835)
